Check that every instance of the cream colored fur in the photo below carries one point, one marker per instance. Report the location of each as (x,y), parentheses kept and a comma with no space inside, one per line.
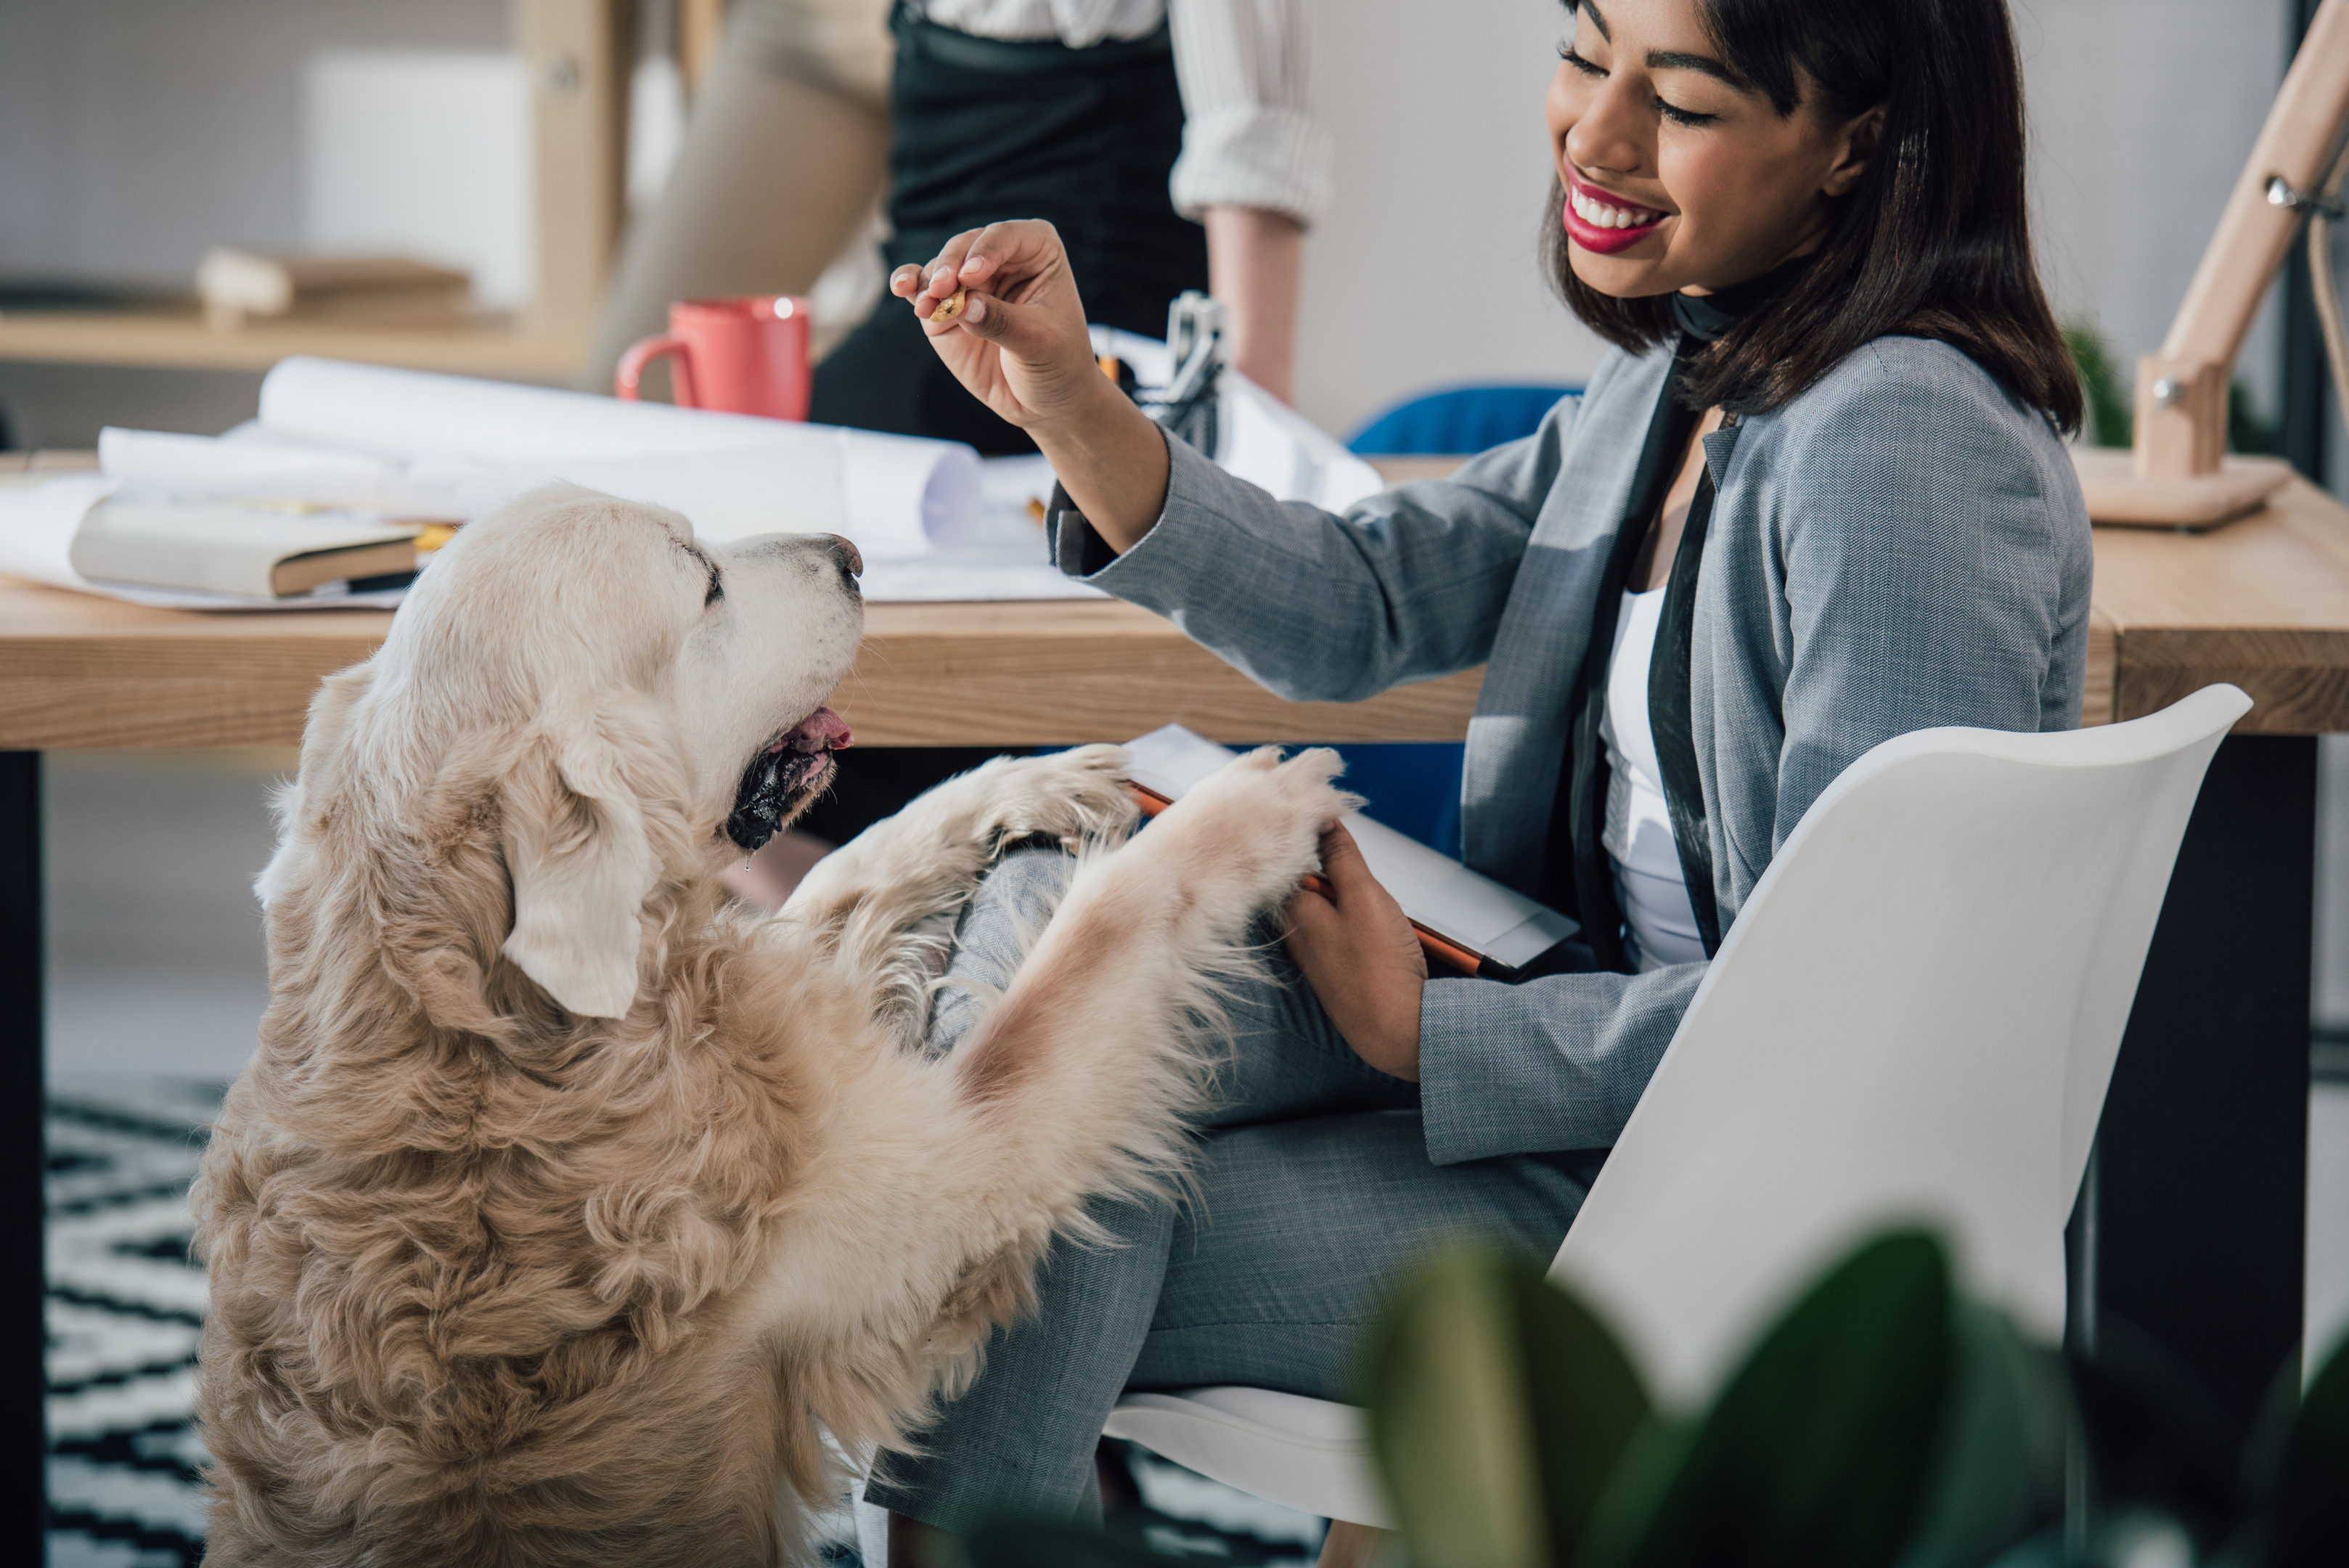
(564,1205)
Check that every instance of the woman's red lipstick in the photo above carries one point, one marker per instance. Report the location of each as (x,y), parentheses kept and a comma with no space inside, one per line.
(1604,241)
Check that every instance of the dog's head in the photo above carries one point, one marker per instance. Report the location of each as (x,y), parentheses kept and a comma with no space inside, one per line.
(625,703)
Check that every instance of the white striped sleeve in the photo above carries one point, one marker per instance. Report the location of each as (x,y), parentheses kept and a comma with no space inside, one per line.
(1249,137)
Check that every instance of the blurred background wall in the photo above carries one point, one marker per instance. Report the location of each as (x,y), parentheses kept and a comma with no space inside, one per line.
(133,133)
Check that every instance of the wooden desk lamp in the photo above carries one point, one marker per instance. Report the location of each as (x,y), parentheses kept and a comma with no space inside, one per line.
(2179,474)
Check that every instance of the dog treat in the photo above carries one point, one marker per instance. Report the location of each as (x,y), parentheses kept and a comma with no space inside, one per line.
(950,306)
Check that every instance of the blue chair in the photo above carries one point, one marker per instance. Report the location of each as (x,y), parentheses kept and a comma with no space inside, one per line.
(1415,789)
(1462,420)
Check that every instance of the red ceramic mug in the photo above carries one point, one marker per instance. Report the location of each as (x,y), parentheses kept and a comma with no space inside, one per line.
(747,356)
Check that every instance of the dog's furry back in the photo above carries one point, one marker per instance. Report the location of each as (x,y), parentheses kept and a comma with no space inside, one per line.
(568,1201)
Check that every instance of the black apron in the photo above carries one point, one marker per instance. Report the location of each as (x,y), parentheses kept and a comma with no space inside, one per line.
(986,131)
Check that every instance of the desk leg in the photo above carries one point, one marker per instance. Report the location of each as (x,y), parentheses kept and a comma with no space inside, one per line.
(2191,1226)
(21,1287)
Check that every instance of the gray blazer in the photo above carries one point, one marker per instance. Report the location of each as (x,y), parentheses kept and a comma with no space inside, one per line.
(1902,546)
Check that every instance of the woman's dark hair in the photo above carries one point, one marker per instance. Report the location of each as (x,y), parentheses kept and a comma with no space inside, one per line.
(1933,242)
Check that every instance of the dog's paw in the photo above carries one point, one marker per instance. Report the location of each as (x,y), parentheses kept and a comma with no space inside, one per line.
(1255,823)
(1074,796)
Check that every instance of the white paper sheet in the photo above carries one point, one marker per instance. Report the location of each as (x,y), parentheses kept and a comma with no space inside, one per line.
(252,467)
(950,576)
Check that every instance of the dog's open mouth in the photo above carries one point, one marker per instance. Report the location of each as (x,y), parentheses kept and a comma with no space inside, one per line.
(785,776)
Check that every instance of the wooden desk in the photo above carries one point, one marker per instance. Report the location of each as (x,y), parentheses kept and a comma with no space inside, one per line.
(180,340)
(2264,603)
(80,672)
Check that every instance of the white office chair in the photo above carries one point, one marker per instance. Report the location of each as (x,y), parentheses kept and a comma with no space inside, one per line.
(1915,1016)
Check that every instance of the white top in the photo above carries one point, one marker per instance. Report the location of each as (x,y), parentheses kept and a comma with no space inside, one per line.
(1249,138)
(1637,836)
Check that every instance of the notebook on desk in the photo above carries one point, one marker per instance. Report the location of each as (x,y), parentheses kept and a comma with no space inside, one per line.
(1467,923)
(219,549)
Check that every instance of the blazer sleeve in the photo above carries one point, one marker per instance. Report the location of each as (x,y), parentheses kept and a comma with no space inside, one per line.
(1321,606)
(1544,1065)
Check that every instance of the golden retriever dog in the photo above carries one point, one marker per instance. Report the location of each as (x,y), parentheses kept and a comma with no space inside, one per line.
(569,1213)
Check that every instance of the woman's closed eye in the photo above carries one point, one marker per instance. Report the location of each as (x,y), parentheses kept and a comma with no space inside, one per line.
(1680,116)
(1664,106)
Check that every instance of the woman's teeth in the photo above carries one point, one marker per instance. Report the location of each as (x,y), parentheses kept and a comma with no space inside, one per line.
(1599,215)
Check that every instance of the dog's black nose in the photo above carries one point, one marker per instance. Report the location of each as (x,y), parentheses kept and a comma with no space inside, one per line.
(845,553)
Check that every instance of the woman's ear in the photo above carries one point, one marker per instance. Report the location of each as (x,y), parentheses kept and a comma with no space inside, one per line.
(582,862)
(1854,146)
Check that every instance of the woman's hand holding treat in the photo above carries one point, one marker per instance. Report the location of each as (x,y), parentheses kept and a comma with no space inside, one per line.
(1019,343)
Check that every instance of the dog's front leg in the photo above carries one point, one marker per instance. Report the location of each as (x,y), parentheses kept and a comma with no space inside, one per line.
(1093,1053)
(958,1171)
(889,885)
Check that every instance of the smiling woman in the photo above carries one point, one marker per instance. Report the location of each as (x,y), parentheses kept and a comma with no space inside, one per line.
(1816,499)
(1699,146)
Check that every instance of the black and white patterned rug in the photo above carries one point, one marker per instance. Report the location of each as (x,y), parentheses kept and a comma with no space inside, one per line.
(126,1305)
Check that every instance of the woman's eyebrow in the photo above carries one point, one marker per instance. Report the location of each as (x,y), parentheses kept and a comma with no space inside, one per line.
(1667,60)
(1597,20)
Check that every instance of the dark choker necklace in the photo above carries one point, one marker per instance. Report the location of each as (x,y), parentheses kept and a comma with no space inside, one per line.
(1708,318)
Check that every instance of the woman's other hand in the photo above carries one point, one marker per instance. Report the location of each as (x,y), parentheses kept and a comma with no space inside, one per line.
(1361,958)
(1019,343)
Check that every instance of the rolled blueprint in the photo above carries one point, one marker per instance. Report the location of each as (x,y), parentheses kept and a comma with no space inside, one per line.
(730,473)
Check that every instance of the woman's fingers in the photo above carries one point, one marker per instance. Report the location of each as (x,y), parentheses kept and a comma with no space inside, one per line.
(1309,914)
(1342,863)
(1023,331)
(936,281)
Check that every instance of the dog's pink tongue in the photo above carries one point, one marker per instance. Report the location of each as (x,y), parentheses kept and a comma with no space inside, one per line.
(821,731)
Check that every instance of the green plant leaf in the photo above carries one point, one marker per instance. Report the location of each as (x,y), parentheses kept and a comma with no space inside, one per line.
(2112,411)
(1499,1407)
(1997,1474)
(1816,1453)
(1589,1401)
(2310,1521)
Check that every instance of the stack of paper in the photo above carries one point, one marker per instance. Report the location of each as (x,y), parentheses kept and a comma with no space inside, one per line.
(375,445)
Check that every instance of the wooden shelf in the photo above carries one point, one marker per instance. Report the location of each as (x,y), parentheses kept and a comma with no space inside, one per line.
(180,340)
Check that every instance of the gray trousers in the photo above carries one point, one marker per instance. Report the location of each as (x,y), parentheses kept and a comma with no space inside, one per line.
(1316,1197)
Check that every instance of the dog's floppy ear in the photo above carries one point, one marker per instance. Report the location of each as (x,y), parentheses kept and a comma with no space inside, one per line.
(322,739)
(581,863)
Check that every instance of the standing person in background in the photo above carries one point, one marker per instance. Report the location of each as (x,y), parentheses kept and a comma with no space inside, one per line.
(1117,120)
(1168,141)
(783,158)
